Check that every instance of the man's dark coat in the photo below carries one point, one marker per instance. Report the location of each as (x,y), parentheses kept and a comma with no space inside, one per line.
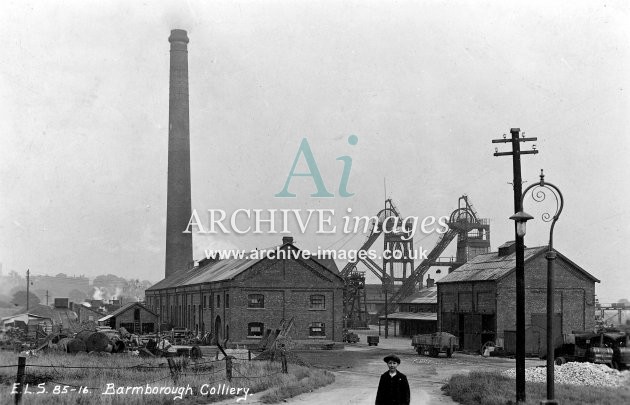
(393,390)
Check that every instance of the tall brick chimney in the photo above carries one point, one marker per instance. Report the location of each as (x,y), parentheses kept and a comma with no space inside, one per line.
(179,255)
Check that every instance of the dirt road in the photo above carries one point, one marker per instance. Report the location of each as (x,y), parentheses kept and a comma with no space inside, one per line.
(357,369)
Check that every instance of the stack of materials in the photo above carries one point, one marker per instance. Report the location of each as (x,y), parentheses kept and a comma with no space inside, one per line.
(598,375)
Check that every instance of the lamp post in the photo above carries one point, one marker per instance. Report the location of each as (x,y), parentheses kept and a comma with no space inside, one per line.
(520,221)
(539,193)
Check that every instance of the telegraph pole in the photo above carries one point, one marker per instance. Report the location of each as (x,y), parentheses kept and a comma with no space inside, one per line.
(520,254)
(46,297)
(386,303)
(28,283)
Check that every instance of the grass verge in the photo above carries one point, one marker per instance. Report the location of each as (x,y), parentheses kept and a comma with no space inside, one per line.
(302,380)
(48,374)
(492,388)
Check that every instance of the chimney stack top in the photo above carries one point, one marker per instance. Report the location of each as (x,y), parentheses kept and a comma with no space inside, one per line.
(287,239)
(507,248)
(178,36)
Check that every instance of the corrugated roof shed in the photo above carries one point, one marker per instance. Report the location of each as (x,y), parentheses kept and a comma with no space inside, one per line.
(491,266)
(416,316)
(424,296)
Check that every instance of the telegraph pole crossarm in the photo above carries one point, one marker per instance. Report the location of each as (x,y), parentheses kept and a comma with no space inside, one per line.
(520,251)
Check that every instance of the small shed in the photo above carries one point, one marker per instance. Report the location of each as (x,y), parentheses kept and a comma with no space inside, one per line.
(477,301)
(134,317)
(27,322)
(410,323)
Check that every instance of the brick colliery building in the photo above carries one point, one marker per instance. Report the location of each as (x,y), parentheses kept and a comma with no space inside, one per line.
(477,301)
(238,299)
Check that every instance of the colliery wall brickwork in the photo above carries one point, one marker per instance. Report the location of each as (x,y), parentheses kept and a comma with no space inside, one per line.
(574,296)
(258,299)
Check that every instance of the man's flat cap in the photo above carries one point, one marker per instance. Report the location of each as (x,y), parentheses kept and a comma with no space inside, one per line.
(392,357)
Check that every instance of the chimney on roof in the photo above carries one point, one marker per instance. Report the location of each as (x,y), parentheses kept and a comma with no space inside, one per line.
(430,282)
(287,239)
(179,252)
(208,260)
(507,248)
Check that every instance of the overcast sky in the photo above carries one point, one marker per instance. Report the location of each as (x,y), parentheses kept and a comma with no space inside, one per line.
(425,86)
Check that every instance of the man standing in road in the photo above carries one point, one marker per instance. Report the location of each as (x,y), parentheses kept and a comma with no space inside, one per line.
(393,388)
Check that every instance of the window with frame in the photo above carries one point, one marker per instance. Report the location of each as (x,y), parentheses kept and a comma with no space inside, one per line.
(227,300)
(255,329)
(255,301)
(218,301)
(318,301)
(317,329)
(205,301)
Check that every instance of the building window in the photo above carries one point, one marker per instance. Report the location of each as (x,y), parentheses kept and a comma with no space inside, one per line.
(255,329)
(317,329)
(255,301)
(218,301)
(318,302)
(227,300)
(205,301)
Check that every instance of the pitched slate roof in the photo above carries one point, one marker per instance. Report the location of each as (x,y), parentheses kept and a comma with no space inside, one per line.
(491,266)
(214,271)
(424,296)
(125,308)
(223,270)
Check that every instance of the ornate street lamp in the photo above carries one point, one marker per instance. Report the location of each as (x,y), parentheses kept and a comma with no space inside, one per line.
(539,193)
(521,219)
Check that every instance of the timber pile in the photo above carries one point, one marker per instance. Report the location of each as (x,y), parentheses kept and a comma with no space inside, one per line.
(576,373)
